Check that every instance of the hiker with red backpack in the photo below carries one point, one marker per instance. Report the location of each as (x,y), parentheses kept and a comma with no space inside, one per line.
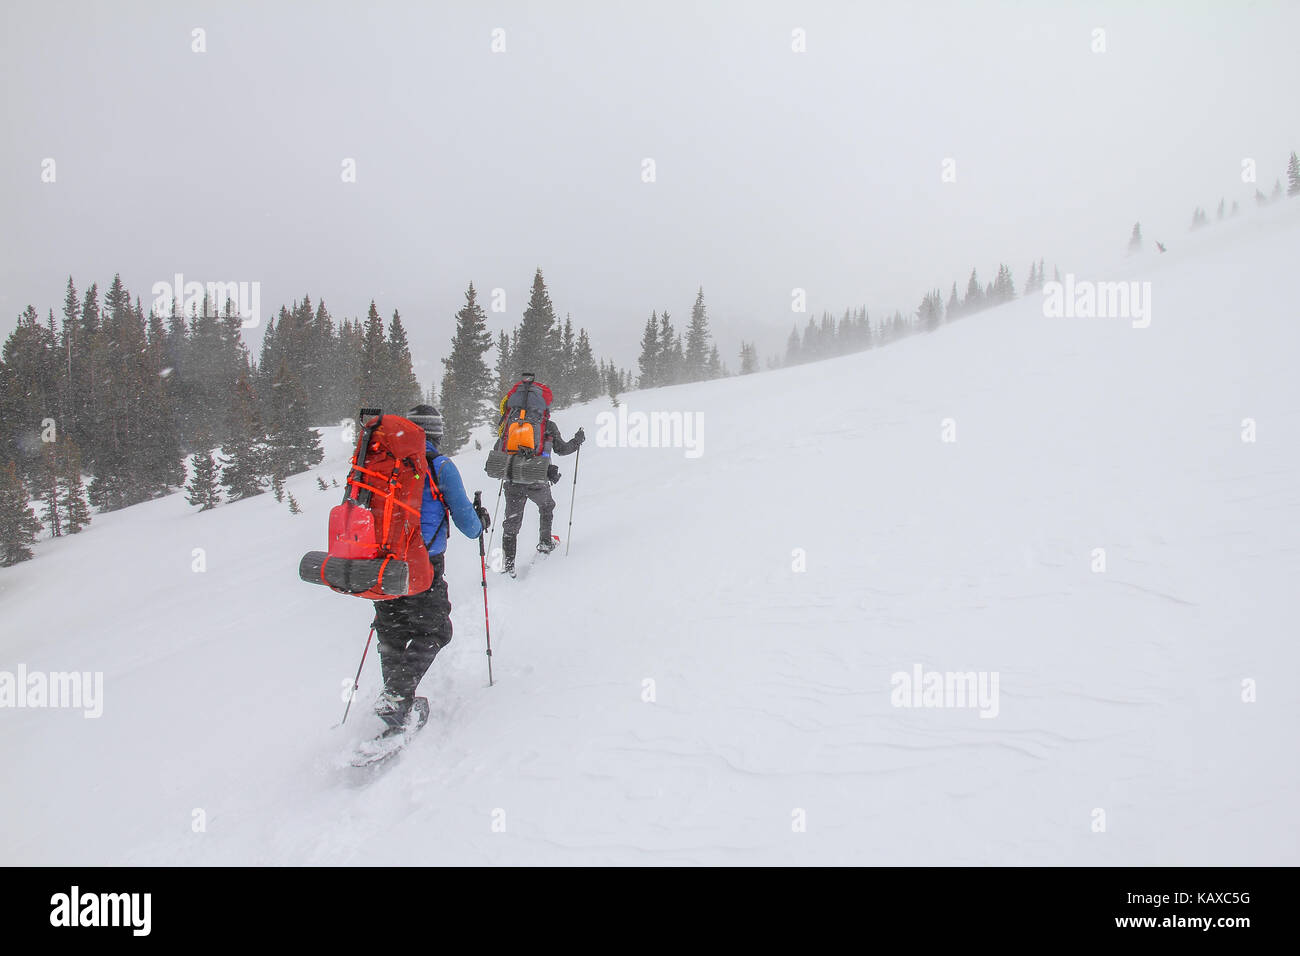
(414,628)
(521,458)
(386,544)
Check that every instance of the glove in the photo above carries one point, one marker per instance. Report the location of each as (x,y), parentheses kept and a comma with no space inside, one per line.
(579,437)
(552,474)
(484,518)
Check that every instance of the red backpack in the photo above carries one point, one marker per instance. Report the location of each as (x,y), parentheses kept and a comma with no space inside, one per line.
(376,547)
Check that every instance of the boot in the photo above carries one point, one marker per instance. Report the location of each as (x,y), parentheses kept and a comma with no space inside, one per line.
(393,709)
(508,542)
(545,541)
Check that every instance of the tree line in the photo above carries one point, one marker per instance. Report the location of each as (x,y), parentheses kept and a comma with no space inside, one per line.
(826,337)
(556,353)
(102,406)
(670,357)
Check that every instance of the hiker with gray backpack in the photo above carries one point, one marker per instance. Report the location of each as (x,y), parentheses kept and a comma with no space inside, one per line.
(521,460)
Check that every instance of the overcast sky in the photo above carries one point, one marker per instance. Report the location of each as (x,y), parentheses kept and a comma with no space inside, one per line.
(774,169)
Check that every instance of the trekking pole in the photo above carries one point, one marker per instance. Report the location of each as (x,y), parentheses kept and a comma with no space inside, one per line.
(568,537)
(356,681)
(482,560)
(494,514)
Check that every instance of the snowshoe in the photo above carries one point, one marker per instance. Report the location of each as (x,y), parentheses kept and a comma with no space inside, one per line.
(388,744)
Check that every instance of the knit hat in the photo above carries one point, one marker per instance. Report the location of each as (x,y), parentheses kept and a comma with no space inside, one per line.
(428,418)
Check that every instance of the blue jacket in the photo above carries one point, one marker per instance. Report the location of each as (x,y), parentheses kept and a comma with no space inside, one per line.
(433,517)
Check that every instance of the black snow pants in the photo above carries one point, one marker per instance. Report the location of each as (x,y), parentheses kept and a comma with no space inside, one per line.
(412,630)
(517,497)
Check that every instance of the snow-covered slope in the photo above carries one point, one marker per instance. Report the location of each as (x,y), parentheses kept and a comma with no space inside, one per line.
(1119,690)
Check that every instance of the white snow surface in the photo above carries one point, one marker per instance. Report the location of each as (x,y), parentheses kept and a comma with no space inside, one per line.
(1119,691)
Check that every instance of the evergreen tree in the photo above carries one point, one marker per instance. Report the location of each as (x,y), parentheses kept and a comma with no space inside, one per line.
(403,388)
(505,370)
(648,361)
(203,489)
(811,347)
(714,368)
(295,446)
(72,489)
(676,359)
(954,304)
(18,526)
(116,483)
(535,351)
(315,365)
(585,370)
(930,313)
(793,349)
(215,358)
(565,360)
(1135,240)
(697,343)
(294,507)
(47,490)
(85,384)
(245,464)
(671,358)
(28,391)
(1277,191)
(67,414)
(612,383)
(345,364)
(277,487)
(1004,288)
(748,358)
(467,383)
(1293,176)
(974,295)
(374,374)
(159,457)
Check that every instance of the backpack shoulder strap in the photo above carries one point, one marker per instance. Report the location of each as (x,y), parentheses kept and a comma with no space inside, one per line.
(434,462)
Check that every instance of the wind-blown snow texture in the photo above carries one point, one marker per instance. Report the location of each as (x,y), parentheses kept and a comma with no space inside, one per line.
(1120,690)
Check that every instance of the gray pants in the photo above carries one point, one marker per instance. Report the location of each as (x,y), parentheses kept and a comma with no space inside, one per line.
(517,497)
